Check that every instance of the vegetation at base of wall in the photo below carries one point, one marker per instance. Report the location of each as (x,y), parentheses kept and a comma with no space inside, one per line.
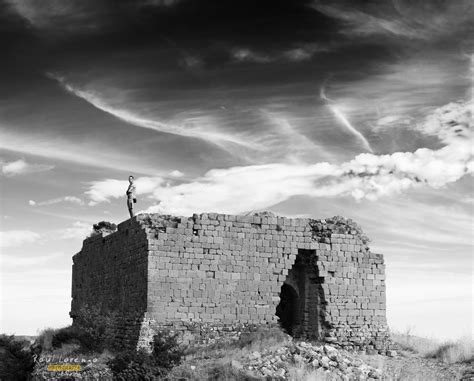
(90,331)
(166,354)
(255,339)
(262,337)
(16,359)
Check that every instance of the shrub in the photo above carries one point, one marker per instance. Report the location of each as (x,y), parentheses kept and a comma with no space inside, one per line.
(262,337)
(323,229)
(166,351)
(93,328)
(16,359)
(450,353)
(66,335)
(103,227)
(123,360)
(45,339)
(132,364)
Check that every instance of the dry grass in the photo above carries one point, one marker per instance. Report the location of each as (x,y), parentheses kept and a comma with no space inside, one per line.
(454,352)
(415,344)
(449,352)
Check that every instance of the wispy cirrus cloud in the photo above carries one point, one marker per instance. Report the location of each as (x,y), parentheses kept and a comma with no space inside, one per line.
(86,153)
(366,176)
(400,18)
(69,199)
(362,23)
(341,118)
(205,131)
(297,53)
(21,167)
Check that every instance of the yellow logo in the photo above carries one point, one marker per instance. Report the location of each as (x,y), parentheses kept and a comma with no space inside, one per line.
(63,368)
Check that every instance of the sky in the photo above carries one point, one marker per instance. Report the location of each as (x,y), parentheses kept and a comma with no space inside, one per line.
(305,108)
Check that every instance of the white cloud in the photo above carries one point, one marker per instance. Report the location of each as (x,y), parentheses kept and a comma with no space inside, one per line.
(244,54)
(239,189)
(16,261)
(12,238)
(412,20)
(79,230)
(90,152)
(70,199)
(21,167)
(103,191)
(300,53)
(176,173)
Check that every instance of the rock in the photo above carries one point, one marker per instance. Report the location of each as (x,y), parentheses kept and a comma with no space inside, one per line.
(375,373)
(236,364)
(325,361)
(392,353)
(333,363)
(329,349)
(298,358)
(280,372)
(255,355)
(315,363)
(333,356)
(342,366)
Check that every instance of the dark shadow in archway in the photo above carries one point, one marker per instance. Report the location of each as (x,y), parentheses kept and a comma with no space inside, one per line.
(287,309)
(301,311)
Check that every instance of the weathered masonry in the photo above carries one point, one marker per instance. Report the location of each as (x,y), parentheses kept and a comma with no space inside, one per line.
(214,274)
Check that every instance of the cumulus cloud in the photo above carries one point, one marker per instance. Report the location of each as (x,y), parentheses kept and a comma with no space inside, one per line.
(14,261)
(70,199)
(21,167)
(176,173)
(103,191)
(13,238)
(370,176)
(78,230)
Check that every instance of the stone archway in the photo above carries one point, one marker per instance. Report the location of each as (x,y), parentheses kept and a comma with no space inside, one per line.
(301,298)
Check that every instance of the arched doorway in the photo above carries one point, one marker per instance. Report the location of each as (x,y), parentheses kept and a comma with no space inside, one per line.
(287,309)
(302,299)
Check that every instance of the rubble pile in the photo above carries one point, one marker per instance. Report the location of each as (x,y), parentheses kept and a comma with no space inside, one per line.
(274,363)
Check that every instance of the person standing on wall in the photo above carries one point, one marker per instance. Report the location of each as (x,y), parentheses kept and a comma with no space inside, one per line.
(131,197)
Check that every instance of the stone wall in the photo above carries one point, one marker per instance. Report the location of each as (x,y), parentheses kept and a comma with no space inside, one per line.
(109,280)
(214,274)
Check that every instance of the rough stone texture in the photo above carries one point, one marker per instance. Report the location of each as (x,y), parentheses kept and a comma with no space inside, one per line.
(212,274)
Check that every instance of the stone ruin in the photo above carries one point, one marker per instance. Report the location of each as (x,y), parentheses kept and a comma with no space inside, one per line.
(216,275)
